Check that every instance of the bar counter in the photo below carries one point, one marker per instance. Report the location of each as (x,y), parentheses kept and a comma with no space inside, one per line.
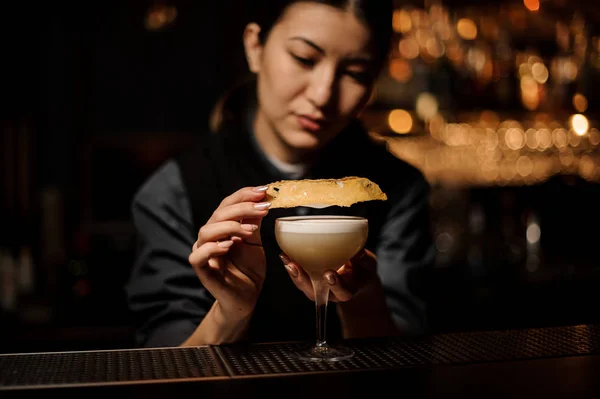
(534,362)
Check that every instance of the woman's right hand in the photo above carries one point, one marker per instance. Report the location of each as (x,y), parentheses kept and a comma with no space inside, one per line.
(228,256)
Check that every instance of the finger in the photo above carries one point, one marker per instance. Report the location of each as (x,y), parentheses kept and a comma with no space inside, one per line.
(211,276)
(199,258)
(246,194)
(359,270)
(299,277)
(365,259)
(224,230)
(254,238)
(216,263)
(362,265)
(239,211)
(340,291)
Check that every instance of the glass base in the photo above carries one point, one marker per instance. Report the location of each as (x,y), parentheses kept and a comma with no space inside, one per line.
(325,353)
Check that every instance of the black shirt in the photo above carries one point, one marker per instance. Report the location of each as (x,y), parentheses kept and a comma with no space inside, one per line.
(166,297)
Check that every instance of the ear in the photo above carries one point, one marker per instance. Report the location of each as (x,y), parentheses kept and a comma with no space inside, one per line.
(252,46)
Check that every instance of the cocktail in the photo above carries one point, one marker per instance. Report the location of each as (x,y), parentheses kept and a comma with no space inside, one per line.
(319,243)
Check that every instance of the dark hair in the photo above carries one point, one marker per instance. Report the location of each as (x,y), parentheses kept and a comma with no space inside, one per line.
(375,14)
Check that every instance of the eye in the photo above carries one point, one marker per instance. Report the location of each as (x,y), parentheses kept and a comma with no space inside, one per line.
(360,77)
(307,62)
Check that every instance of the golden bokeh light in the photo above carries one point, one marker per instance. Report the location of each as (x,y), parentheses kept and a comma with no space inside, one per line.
(532,5)
(529,93)
(560,138)
(515,139)
(544,139)
(400,121)
(580,124)
(531,139)
(408,48)
(436,126)
(435,47)
(401,21)
(524,166)
(594,137)
(491,146)
(426,106)
(159,16)
(580,103)
(540,72)
(400,70)
(466,29)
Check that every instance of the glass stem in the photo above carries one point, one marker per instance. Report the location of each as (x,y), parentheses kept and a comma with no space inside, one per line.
(321,291)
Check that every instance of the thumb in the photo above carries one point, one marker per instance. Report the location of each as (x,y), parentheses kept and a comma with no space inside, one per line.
(365,259)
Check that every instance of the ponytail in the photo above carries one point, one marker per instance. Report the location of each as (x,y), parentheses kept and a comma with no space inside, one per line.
(229,104)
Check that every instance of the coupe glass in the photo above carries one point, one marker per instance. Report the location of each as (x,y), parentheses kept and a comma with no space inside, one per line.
(319,243)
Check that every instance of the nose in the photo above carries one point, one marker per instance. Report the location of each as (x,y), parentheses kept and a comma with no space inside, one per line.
(320,88)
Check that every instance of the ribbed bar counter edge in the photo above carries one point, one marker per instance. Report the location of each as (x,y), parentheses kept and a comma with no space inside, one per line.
(425,366)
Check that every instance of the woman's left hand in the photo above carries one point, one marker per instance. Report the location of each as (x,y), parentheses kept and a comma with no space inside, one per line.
(345,283)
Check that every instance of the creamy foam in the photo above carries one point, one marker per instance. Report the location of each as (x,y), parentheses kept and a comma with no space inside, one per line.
(321,225)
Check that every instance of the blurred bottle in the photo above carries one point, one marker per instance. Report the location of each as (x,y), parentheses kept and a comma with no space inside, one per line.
(533,235)
(26,270)
(8,164)
(25,157)
(476,246)
(8,281)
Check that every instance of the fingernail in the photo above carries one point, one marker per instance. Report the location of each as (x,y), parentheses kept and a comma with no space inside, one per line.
(330,279)
(284,259)
(260,189)
(292,270)
(225,244)
(262,205)
(249,227)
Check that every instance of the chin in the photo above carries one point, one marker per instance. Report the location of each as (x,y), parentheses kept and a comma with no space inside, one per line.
(304,141)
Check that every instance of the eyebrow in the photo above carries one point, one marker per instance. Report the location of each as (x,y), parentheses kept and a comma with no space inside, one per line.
(310,43)
(353,60)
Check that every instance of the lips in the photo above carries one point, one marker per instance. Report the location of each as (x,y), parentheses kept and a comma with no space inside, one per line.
(310,124)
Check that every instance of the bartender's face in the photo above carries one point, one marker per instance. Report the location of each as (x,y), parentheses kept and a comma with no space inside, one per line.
(315,73)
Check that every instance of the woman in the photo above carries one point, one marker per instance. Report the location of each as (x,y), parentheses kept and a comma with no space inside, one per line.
(315,64)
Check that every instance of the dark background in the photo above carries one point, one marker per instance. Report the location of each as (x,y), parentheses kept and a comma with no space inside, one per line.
(94,101)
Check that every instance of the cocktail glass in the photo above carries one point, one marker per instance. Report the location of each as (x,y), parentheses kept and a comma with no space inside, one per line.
(319,243)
